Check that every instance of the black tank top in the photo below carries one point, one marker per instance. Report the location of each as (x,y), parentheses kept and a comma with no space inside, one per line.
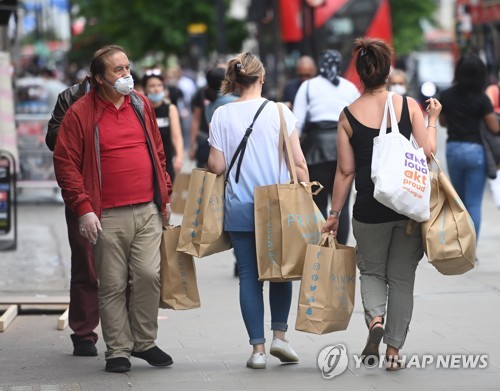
(367,209)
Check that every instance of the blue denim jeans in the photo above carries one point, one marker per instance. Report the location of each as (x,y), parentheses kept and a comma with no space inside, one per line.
(467,168)
(251,297)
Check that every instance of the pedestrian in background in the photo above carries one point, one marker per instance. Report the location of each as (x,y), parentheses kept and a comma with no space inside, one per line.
(465,105)
(52,85)
(387,256)
(182,80)
(493,92)
(168,120)
(198,133)
(317,106)
(260,167)
(213,93)
(204,104)
(398,82)
(83,314)
(110,165)
(305,69)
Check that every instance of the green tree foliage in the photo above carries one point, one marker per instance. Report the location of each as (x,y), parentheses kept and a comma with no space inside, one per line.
(406,16)
(149,26)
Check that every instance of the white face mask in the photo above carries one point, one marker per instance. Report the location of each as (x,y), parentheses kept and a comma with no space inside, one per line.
(123,85)
(398,89)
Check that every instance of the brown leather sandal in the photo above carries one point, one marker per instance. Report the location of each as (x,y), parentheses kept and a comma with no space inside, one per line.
(370,355)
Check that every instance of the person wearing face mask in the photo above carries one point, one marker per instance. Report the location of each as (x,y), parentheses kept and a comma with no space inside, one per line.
(110,165)
(398,82)
(167,117)
(317,106)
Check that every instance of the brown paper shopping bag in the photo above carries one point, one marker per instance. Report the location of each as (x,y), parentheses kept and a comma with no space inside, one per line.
(286,220)
(202,229)
(179,289)
(449,236)
(179,192)
(327,289)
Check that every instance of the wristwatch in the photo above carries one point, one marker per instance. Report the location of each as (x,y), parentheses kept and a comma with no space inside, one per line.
(334,213)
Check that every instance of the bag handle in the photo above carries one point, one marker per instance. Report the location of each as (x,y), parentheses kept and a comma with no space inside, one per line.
(389,106)
(328,240)
(383,125)
(436,162)
(240,151)
(309,185)
(285,140)
(392,113)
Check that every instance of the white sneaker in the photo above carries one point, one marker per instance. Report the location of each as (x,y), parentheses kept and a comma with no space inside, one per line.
(257,361)
(283,351)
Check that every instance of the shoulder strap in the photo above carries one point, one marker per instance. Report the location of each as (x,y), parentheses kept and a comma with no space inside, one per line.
(307,94)
(350,118)
(240,151)
(405,111)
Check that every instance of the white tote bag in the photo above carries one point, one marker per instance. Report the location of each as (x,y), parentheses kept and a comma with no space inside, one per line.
(399,170)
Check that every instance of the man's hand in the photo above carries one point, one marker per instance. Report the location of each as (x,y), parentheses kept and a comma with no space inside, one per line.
(166,215)
(177,165)
(89,226)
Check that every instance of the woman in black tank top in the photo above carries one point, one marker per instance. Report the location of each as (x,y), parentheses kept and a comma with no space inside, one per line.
(167,117)
(366,209)
(387,257)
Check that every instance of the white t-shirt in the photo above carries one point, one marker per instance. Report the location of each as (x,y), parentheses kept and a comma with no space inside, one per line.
(260,164)
(326,101)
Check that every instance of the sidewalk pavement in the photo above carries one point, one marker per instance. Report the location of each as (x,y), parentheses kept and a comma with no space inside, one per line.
(452,315)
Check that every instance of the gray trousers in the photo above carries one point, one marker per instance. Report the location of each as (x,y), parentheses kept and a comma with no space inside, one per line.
(128,247)
(387,258)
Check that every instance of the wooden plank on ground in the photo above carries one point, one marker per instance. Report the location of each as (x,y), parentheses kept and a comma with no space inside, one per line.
(34,299)
(62,322)
(8,316)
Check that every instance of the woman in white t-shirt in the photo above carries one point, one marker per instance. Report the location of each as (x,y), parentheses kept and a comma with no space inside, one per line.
(259,167)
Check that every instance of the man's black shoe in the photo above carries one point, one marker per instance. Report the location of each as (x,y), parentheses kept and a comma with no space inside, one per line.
(117,365)
(155,357)
(84,348)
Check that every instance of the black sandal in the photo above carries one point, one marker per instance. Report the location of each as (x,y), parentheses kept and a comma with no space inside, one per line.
(392,363)
(370,355)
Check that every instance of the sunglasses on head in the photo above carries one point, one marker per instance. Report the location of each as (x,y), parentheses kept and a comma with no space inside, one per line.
(153,72)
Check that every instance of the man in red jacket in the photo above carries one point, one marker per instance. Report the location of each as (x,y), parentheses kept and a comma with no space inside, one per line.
(110,165)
